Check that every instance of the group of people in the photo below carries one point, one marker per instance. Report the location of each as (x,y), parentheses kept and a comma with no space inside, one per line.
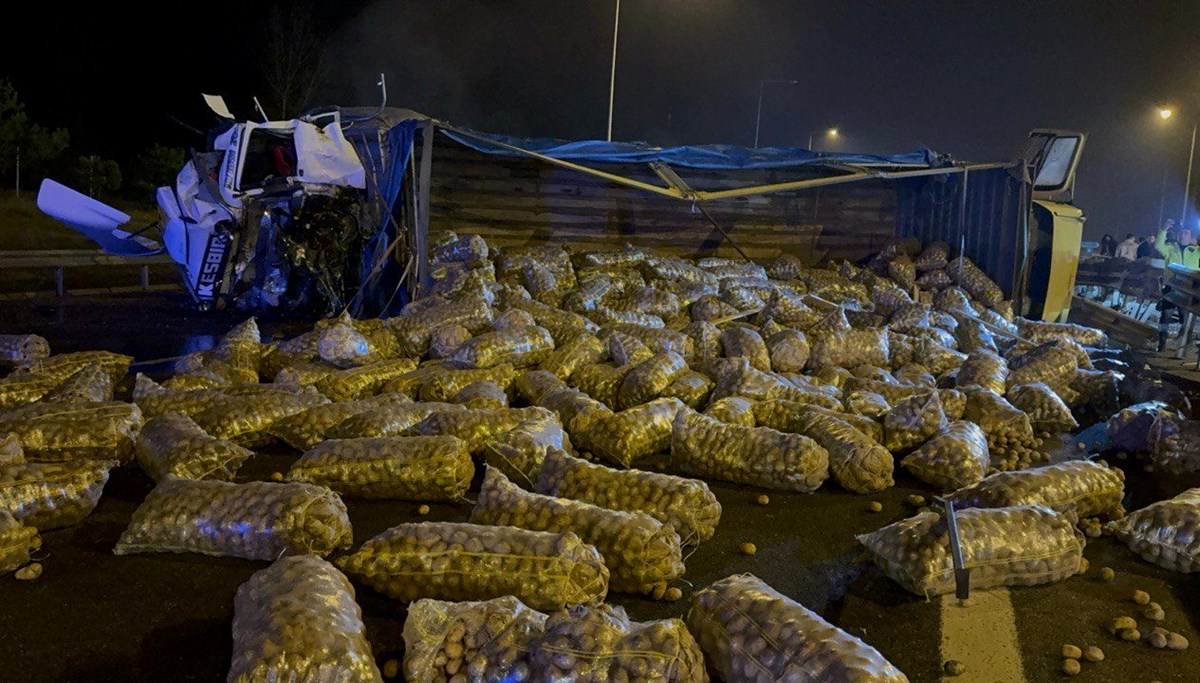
(1170,244)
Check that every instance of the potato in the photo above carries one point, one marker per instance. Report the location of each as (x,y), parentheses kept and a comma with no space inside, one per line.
(297,620)
(751,633)
(1025,545)
(257,521)
(453,560)
(17,541)
(641,553)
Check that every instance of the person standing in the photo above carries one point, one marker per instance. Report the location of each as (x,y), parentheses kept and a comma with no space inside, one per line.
(1108,245)
(1146,248)
(1128,249)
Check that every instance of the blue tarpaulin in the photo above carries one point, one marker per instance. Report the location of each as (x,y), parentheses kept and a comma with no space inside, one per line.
(692,156)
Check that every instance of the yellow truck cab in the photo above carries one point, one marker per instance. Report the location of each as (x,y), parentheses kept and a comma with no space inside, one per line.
(1055,224)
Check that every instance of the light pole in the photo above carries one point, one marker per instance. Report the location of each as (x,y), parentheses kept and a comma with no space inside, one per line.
(612,81)
(762,84)
(1165,113)
(830,133)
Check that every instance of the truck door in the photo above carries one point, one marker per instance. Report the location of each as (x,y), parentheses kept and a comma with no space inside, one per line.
(1055,225)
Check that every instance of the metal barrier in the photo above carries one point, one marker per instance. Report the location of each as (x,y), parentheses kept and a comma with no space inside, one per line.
(1182,289)
(59,260)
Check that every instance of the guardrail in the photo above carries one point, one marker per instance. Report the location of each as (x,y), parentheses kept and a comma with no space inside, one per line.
(58,260)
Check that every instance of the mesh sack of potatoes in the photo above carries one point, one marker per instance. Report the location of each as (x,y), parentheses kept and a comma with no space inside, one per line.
(485,395)
(603,315)
(935,256)
(642,554)
(677,269)
(303,373)
(486,640)
(64,365)
(934,280)
(790,311)
(1133,428)
(955,457)
(741,341)
(1084,488)
(1039,331)
(16,542)
(459,561)
(646,380)
(687,505)
(90,385)
(520,347)
(626,437)
(443,386)
(297,621)
(1048,363)
(887,298)
(660,340)
(257,521)
(693,388)
(874,373)
(976,283)
(519,452)
(849,348)
(414,330)
(1009,431)
(541,283)
(756,456)
(22,349)
(310,427)
(1166,533)
(344,346)
(983,368)
(570,356)
(627,256)
(215,373)
(780,415)
(856,461)
(785,267)
(915,374)
(1047,412)
(654,301)
(11,452)
(742,298)
(434,468)
(833,321)
(912,421)
(18,390)
(1097,389)
(1173,444)
(954,300)
(562,325)
(1024,545)
(246,419)
(744,380)
(903,270)
(475,427)
(866,403)
(893,392)
(53,495)
(591,293)
(902,348)
(998,324)
(387,420)
(909,317)
(788,351)
(625,349)
(601,381)
(734,410)
(939,358)
(174,445)
(446,338)
(460,249)
(54,432)
(706,340)
(973,335)
(599,644)
(364,380)
(410,383)
(751,633)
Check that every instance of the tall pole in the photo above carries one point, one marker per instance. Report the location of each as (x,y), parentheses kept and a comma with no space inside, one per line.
(1162,200)
(810,142)
(1188,184)
(758,116)
(612,81)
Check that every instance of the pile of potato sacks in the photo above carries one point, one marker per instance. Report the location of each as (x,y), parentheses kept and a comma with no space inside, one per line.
(596,390)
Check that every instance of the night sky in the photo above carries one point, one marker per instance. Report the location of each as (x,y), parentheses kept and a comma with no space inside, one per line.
(965,78)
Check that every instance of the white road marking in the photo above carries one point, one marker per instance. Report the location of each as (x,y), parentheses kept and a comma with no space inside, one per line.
(983,637)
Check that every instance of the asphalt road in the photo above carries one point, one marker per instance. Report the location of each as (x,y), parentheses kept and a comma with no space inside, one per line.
(93,616)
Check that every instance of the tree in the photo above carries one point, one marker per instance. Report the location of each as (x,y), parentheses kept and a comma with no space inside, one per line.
(292,60)
(38,146)
(156,166)
(95,174)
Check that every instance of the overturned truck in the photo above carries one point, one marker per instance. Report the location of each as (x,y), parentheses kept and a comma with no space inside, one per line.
(332,211)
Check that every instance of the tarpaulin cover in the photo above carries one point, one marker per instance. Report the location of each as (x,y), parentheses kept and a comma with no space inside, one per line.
(692,156)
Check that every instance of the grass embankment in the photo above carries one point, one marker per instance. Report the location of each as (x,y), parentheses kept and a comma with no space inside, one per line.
(24,228)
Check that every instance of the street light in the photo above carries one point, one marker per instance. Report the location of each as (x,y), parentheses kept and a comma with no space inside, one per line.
(829,133)
(612,81)
(1166,113)
(762,84)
